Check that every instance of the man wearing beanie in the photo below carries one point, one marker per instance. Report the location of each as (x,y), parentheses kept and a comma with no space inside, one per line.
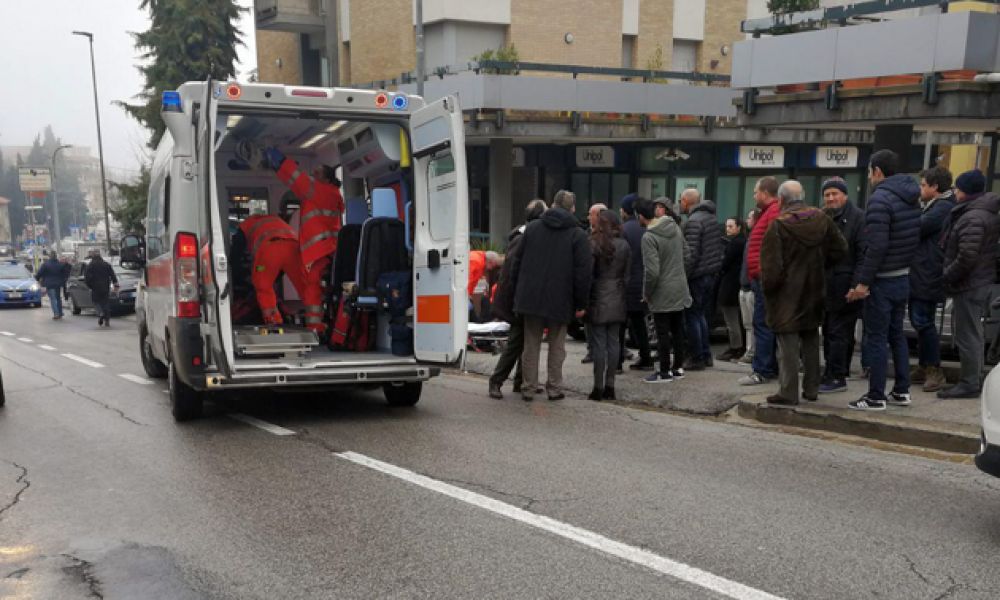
(892,226)
(841,316)
(926,287)
(632,231)
(970,251)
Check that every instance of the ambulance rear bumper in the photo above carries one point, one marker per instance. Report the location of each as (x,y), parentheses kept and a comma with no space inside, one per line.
(321,376)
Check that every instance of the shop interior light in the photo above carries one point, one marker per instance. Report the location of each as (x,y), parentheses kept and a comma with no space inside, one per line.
(336,127)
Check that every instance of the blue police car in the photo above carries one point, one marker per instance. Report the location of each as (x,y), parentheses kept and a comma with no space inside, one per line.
(17,286)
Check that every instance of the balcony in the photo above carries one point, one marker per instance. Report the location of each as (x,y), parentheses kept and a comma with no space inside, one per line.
(297,16)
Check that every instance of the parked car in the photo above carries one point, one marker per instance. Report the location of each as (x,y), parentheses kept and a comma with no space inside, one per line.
(988,458)
(17,286)
(121,302)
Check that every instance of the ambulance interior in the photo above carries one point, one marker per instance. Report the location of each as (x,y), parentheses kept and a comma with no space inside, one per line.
(372,162)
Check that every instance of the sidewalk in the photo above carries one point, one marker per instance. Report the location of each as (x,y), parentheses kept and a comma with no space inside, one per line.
(950,425)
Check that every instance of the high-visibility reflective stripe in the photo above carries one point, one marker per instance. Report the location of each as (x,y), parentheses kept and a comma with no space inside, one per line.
(256,227)
(319,238)
(320,212)
(314,320)
(294,176)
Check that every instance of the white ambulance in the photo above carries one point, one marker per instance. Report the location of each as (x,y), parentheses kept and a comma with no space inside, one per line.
(402,164)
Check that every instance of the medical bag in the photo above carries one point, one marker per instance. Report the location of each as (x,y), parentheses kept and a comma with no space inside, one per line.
(353,328)
(395,292)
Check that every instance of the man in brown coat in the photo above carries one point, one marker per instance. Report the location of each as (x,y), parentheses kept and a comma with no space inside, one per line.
(796,250)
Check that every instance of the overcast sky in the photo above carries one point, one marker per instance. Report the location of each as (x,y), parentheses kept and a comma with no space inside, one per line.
(45,72)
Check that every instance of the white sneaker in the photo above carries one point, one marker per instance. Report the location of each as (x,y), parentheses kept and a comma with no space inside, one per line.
(753,379)
(899,399)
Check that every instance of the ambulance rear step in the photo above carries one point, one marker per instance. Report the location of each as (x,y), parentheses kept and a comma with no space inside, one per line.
(282,340)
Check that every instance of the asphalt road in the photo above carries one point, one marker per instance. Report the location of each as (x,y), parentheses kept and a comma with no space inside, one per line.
(103,495)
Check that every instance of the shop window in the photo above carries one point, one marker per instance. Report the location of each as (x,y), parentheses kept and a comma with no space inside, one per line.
(727,199)
(810,190)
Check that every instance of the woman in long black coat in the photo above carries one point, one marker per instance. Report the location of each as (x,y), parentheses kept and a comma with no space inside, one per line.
(729,287)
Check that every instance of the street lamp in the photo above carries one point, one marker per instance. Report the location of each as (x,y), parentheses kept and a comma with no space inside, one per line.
(100,147)
(55,198)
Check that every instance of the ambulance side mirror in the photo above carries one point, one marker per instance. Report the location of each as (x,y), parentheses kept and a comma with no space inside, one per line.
(133,251)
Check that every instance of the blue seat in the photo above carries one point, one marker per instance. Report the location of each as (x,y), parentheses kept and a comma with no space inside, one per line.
(356,211)
(384,203)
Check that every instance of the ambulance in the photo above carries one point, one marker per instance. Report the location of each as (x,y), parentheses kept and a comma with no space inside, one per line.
(402,167)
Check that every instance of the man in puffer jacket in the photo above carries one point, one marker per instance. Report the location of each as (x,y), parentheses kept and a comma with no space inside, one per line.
(702,263)
(892,229)
(970,252)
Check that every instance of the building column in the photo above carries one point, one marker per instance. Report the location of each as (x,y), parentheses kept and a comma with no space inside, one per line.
(501,177)
(898,138)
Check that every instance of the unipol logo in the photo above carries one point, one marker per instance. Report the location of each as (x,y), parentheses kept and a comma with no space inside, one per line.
(761,156)
(595,156)
(834,157)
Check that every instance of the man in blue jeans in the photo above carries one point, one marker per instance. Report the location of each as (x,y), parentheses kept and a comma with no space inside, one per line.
(892,225)
(702,263)
(52,276)
(765,358)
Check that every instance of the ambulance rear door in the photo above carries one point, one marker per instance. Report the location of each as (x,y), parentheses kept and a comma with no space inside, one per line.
(213,261)
(441,232)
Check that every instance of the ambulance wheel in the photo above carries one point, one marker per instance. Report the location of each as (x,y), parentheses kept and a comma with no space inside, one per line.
(153,367)
(403,394)
(187,402)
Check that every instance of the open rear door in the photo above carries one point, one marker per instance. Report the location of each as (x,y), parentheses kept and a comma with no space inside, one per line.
(213,263)
(441,232)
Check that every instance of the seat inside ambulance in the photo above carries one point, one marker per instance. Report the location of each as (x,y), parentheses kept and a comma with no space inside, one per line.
(371,161)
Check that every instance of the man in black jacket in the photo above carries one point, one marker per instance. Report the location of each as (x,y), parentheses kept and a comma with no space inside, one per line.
(554,269)
(99,277)
(701,266)
(503,308)
(892,227)
(926,287)
(970,252)
(632,231)
(841,315)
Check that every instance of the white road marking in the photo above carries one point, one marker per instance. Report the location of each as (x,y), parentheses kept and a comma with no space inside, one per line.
(660,564)
(84,361)
(165,391)
(46,347)
(7,333)
(25,340)
(135,379)
(268,427)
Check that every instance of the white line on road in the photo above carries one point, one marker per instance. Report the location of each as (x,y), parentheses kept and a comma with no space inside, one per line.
(135,379)
(46,347)
(268,427)
(84,361)
(25,340)
(7,333)
(666,566)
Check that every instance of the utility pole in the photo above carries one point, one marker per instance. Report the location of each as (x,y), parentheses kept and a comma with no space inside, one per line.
(100,146)
(421,58)
(55,199)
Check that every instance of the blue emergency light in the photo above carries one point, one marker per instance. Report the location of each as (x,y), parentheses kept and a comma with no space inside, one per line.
(172,102)
(400,102)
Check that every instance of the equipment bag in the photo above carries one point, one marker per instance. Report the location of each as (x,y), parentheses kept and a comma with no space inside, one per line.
(353,328)
(395,293)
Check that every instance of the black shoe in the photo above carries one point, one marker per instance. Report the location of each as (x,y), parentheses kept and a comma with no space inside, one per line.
(646,365)
(609,393)
(527,397)
(959,391)
(596,394)
(495,391)
(517,387)
(810,398)
(781,401)
(100,321)
(557,396)
(694,365)
(587,360)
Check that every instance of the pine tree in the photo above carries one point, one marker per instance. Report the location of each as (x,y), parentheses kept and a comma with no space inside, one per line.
(188,40)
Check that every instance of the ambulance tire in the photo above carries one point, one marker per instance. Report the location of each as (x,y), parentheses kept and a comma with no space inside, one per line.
(186,401)
(403,394)
(153,367)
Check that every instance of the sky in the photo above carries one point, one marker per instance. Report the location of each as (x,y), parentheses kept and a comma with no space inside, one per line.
(45,73)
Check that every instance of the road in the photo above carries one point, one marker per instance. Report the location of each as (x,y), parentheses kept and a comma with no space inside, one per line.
(340,496)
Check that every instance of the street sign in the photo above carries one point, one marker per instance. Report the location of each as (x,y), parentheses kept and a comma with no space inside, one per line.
(35,179)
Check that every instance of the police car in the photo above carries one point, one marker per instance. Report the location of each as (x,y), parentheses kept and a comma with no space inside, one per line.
(17,286)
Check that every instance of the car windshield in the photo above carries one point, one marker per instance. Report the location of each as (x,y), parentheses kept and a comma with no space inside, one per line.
(14,272)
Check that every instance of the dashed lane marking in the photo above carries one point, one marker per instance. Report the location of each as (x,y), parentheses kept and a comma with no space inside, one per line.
(638,556)
(268,427)
(25,340)
(46,347)
(7,333)
(135,379)
(84,361)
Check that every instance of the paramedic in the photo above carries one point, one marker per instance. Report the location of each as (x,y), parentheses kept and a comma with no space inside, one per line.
(322,207)
(273,249)
(482,263)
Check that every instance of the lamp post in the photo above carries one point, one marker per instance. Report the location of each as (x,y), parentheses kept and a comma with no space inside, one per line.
(55,199)
(421,54)
(100,147)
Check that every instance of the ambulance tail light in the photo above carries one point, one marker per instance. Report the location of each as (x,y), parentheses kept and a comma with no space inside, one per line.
(186,275)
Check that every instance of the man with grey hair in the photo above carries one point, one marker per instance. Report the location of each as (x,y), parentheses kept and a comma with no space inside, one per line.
(702,263)
(794,255)
(592,216)
(554,269)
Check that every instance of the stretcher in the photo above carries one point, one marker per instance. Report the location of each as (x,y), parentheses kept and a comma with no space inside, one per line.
(494,333)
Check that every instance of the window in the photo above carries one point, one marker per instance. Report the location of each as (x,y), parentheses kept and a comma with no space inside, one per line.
(628,51)
(685,56)
(727,199)
(441,195)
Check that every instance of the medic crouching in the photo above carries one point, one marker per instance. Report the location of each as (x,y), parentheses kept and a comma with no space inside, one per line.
(274,249)
(320,222)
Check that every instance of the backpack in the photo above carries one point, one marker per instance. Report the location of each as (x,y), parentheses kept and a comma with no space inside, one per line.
(353,328)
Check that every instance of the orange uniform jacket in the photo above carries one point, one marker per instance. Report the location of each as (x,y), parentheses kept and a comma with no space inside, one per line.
(322,207)
(477,268)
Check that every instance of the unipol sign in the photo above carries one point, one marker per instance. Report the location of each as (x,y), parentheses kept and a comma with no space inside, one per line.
(761,157)
(836,157)
(595,157)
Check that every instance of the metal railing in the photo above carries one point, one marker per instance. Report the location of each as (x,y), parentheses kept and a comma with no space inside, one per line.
(820,17)
(517,67)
